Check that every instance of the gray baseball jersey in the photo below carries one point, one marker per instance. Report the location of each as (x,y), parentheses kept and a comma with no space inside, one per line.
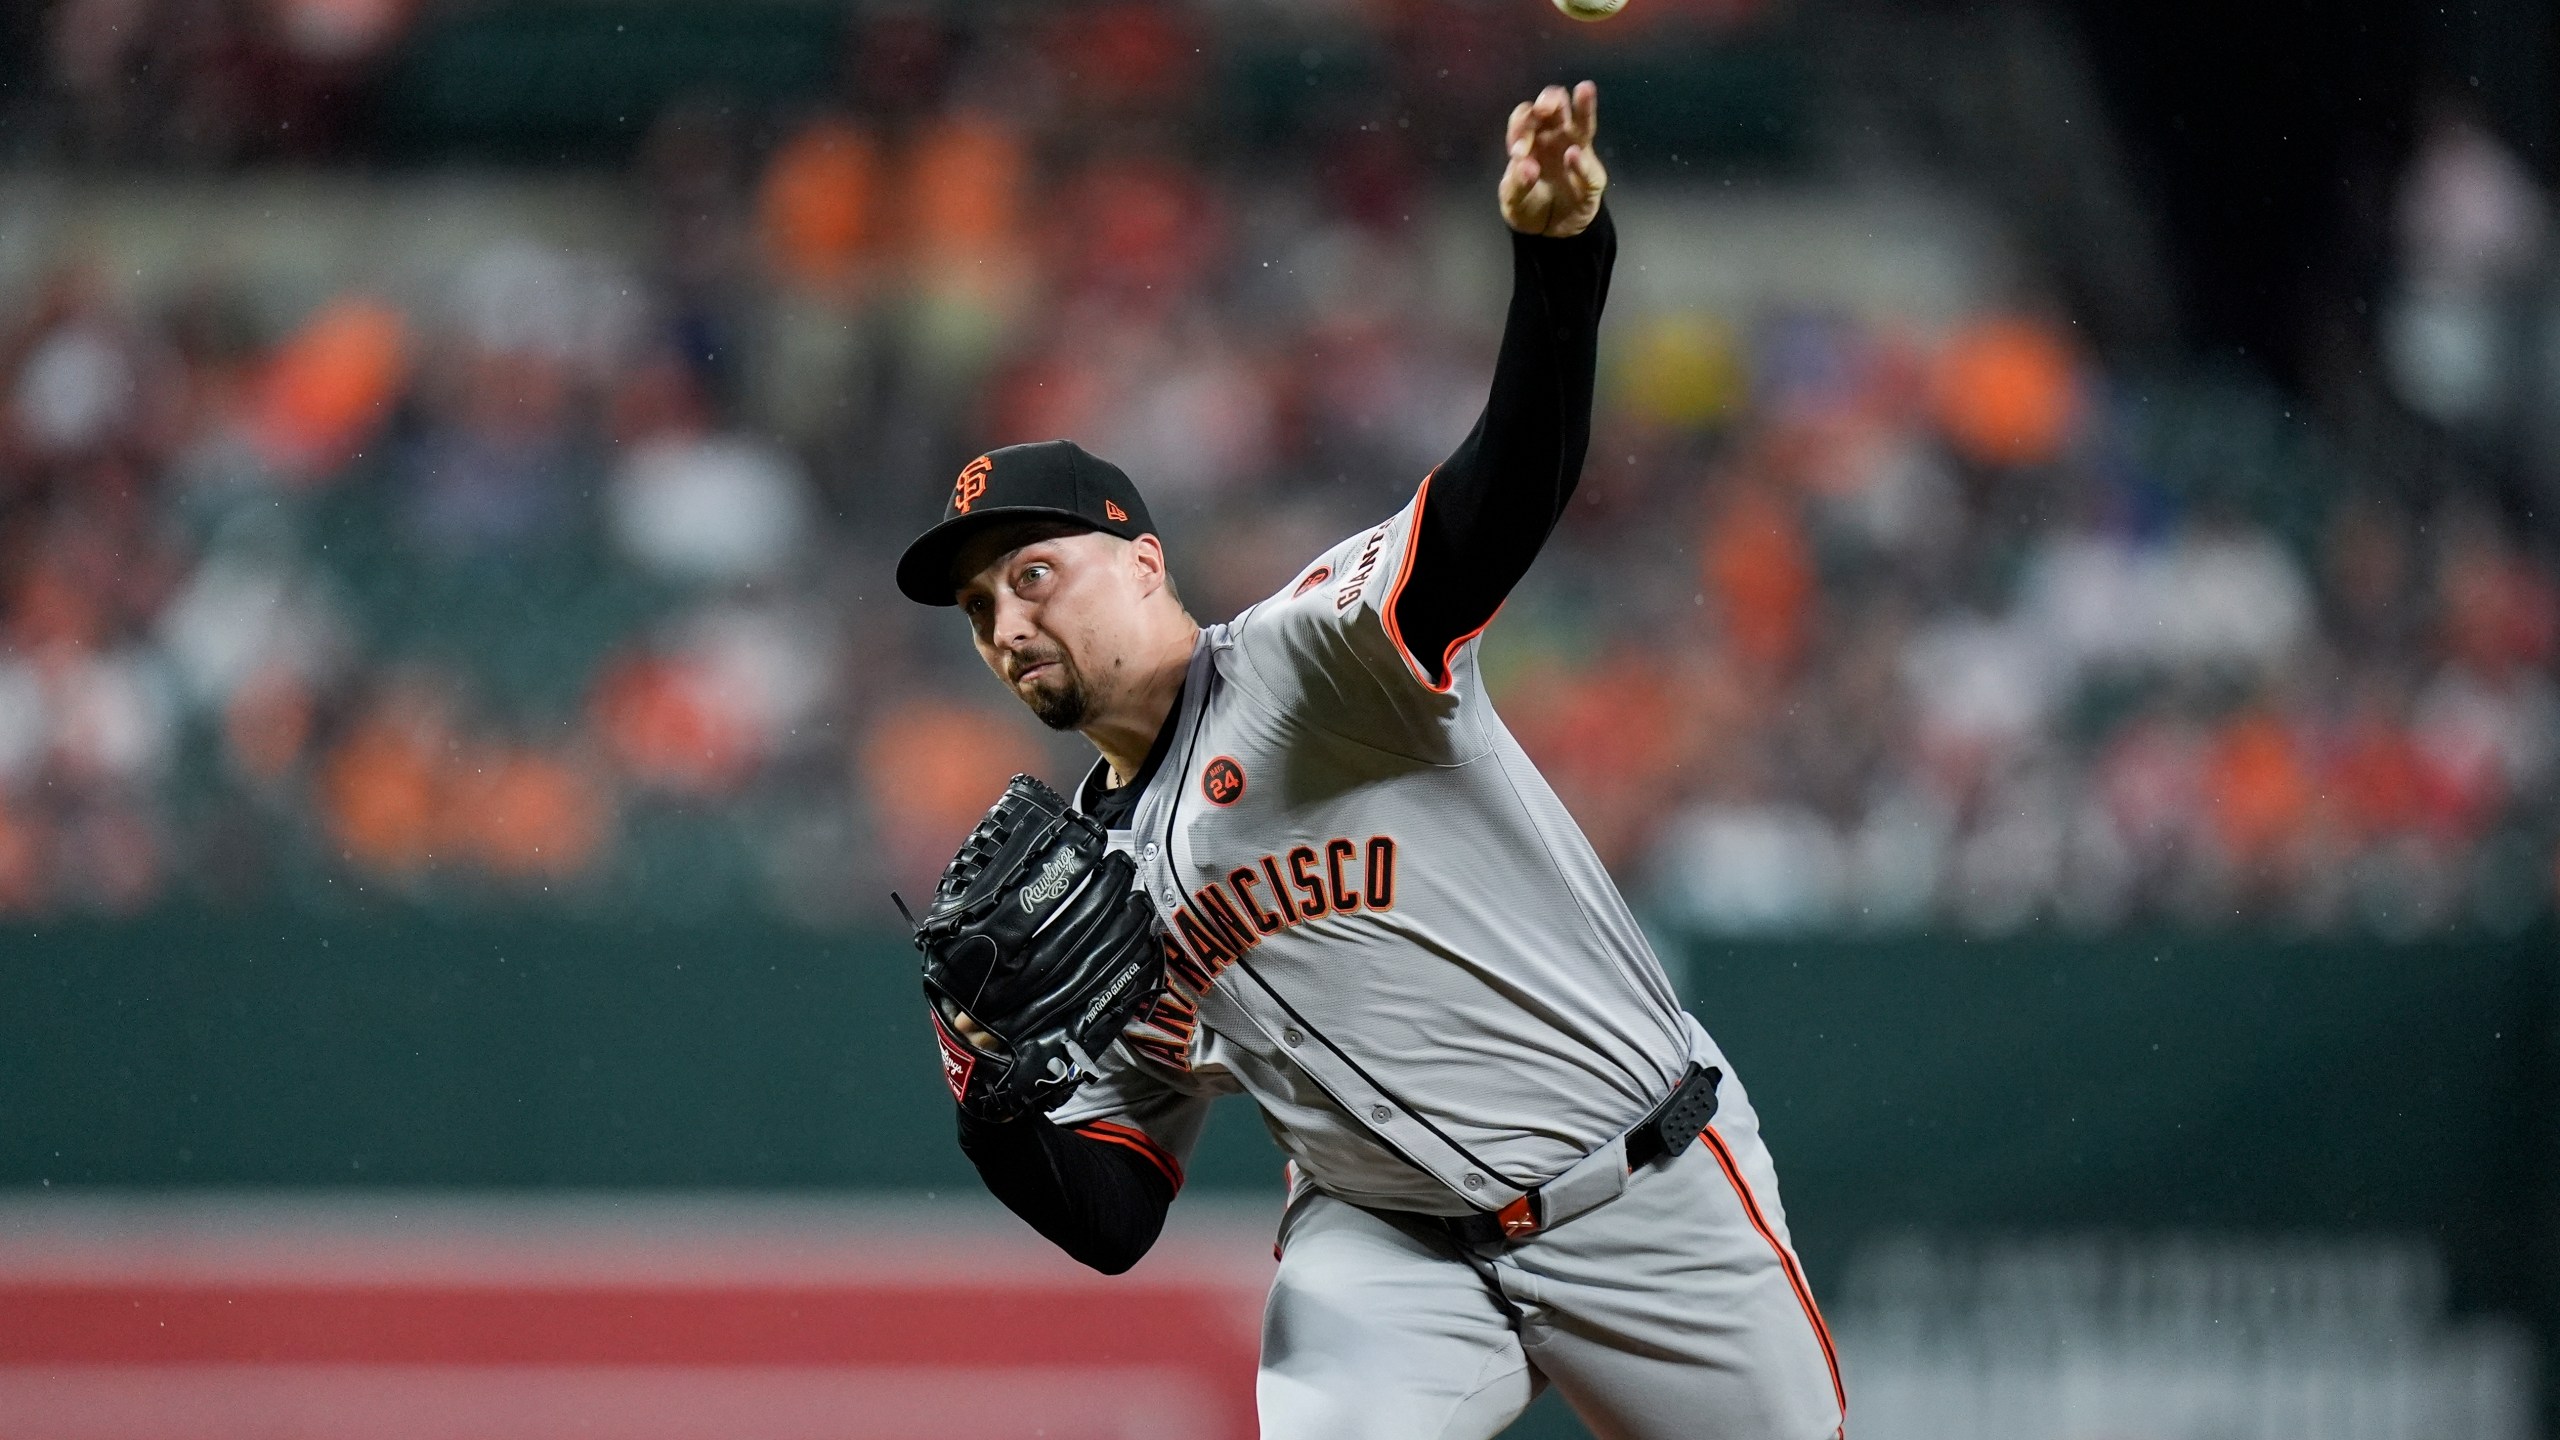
(1381,923)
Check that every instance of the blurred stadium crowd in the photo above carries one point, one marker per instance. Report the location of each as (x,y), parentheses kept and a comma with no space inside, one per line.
(571,590)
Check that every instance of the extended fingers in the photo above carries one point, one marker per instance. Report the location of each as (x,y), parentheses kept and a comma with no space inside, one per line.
(1558,117)
(1554,112)
(1586,168)
(1549,161)
(1517,178)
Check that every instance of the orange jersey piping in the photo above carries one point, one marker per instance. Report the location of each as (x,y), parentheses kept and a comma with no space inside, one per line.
(1395,592)
(1786,1262)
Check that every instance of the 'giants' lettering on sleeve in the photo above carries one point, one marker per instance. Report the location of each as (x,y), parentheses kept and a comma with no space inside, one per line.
(1347,594)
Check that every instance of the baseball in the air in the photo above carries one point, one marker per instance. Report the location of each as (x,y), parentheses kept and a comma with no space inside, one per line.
(1590,9)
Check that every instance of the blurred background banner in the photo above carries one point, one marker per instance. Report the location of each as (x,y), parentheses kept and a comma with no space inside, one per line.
(2059,632)
(621,1316)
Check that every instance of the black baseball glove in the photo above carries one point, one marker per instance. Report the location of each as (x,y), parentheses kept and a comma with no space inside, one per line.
(1038,936)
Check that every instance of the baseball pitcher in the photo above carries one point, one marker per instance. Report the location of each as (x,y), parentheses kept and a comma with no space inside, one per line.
(1311,865)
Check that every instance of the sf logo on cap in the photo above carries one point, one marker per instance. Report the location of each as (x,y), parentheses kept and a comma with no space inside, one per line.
(971,485)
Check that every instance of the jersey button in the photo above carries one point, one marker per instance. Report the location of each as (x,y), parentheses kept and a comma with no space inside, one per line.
(1381,1114)
(1474,1181)
(1291,1037)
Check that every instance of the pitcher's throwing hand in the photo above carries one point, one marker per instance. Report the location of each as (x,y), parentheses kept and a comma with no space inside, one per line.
(1553,181)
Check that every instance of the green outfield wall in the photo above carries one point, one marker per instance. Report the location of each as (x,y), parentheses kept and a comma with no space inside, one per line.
(2216,1083)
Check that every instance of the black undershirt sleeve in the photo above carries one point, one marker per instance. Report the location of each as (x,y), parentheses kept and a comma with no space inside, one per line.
(1495,500)
(1101,1203)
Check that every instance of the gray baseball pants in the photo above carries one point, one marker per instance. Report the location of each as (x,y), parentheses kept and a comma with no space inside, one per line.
(1675,1312)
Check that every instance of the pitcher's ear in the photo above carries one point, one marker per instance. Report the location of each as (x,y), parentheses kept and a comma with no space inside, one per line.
(1147,554)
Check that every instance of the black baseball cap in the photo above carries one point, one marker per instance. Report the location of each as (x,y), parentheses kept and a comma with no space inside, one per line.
(1044,480)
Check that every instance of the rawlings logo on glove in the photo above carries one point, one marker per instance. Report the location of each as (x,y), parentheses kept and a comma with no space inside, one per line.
(1053,881)
(957,1060)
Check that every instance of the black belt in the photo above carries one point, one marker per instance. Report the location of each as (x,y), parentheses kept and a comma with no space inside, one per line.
(1658,1136)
